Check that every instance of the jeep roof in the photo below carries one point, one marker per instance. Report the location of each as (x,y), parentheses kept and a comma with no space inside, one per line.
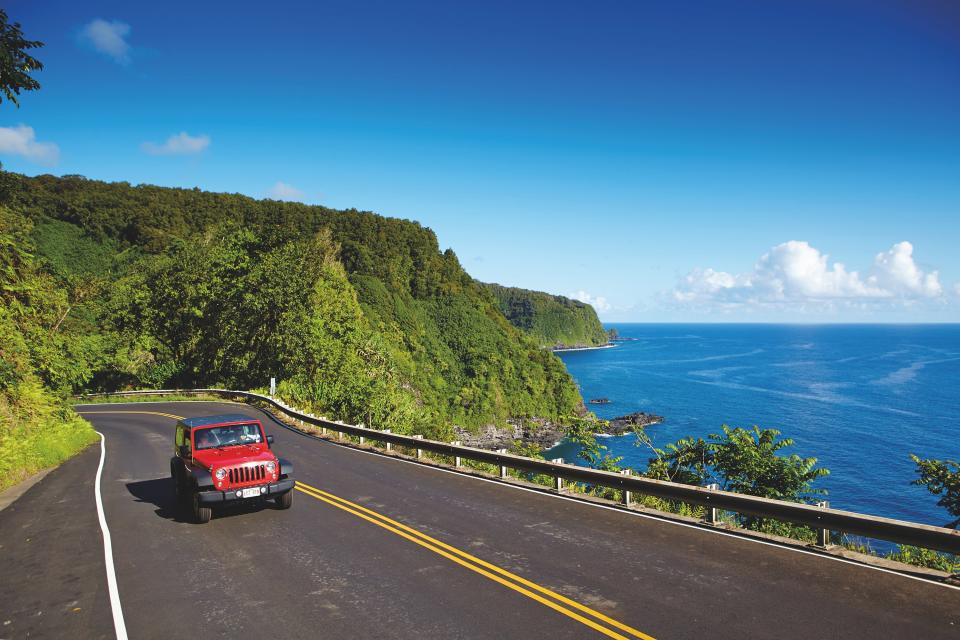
(206,421)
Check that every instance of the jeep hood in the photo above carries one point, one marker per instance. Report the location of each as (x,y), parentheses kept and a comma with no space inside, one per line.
(229,456)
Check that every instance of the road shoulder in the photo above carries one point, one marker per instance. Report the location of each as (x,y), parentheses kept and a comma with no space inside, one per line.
(10,495)
(51,551)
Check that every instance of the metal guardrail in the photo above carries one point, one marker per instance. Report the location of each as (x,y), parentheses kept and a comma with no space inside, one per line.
(823,519)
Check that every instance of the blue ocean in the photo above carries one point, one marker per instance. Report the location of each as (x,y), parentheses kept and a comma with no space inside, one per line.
(860,398)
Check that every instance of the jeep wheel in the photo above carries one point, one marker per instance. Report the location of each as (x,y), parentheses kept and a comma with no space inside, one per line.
(284,500)
(200,513)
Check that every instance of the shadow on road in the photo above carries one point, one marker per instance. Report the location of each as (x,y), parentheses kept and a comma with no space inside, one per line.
(160,493)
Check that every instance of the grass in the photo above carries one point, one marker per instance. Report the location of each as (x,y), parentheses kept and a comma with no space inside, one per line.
(37,433)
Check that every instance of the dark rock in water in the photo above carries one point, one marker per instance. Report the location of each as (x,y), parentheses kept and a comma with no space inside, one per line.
(623,424)
(600,401)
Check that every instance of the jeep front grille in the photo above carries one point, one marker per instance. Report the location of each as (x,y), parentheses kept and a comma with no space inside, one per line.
(251,473)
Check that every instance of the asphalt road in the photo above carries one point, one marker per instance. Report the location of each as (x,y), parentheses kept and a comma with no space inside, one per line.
(386,549)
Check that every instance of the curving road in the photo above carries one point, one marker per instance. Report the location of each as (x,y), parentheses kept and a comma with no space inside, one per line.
(379,548)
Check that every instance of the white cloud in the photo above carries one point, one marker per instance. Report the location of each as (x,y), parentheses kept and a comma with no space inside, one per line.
(22,141)
(599,302)
(796,274)
(108,38)
(178,145)
(284,191)
(896,272)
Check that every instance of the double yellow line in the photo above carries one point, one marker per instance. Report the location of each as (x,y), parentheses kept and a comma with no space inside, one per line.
(532,590)
(559,603)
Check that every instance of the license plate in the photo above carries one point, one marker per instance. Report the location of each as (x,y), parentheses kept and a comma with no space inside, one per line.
(250,493)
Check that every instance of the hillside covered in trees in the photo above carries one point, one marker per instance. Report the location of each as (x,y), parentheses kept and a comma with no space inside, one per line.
(554,321)
(359,316)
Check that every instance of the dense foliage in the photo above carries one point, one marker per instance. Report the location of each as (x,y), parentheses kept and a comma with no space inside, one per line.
(741,460)
(39,361)
(15,63)
(359,316)
(554,321)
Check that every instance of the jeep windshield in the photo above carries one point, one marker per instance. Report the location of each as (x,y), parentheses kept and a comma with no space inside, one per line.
(228,436)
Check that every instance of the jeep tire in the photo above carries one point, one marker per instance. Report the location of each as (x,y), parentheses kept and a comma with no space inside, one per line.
(201,513)
(284,500)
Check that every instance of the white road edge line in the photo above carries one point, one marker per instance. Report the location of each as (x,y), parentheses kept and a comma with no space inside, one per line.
(118,625)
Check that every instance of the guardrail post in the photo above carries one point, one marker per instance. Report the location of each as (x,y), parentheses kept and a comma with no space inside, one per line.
(627,494)
(823,535)
(503,468)
(711,516)
(557,480)
(389,446)
(419,451)
(456,459)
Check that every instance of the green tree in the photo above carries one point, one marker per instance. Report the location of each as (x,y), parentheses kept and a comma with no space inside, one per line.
(741,460)
(941,478)
(37,365)
(748,462)
(581,431)
(687,461)
(15,63)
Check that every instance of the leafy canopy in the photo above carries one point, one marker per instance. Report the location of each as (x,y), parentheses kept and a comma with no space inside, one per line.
(15,63)
(183,287)
(941,478)
(741,460)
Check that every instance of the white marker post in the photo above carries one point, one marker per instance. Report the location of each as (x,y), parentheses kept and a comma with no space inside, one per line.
(557,480)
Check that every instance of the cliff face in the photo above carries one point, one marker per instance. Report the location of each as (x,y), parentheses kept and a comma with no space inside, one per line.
(553,321)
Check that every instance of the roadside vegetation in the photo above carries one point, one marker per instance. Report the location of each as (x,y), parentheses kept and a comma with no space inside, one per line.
(755,462)
(37,369)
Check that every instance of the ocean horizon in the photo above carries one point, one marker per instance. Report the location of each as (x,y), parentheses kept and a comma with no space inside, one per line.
(858,397)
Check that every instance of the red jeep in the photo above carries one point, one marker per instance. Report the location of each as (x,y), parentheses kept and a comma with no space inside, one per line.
(227,459)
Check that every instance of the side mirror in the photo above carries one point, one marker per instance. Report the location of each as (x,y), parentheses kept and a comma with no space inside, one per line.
(184,451)
(269,439)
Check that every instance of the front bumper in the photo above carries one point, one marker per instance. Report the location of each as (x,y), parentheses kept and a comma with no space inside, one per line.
(274,489)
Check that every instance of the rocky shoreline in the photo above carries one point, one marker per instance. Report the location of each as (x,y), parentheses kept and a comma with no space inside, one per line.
(544,433)
(559,348)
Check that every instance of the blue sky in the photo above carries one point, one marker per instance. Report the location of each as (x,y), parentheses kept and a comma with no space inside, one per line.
(691,161)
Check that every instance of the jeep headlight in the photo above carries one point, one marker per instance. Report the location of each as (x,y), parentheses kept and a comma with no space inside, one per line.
(271,466)
(221,474)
